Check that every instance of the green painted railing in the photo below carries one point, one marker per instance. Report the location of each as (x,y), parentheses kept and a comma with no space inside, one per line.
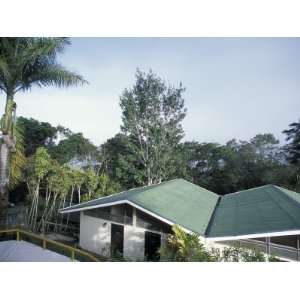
(73,253)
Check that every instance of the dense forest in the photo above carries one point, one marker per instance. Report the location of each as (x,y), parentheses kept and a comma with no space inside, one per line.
(60,166)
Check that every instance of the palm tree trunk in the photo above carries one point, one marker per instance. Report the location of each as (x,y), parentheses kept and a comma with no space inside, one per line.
(7,145)
(4,173)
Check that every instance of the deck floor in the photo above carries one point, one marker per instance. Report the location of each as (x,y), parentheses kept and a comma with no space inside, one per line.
(21,251)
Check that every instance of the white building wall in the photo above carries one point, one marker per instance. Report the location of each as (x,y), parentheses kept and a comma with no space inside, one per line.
(134,242)
(95,234)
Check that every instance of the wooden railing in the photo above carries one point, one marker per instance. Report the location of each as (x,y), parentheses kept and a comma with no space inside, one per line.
(59,228)
(73,253)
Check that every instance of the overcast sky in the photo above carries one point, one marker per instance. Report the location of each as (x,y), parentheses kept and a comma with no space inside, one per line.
(236,87)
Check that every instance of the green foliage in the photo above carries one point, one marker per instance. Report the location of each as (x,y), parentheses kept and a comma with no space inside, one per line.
(18,160)
(238,254)
(74,146)
(78,177)
(42,163)
(36,134)
(51,185)
(152,113)
(185,247)
(238,165)
(25,62)
(293,148)
(120,163)
(106,186)
(91,181)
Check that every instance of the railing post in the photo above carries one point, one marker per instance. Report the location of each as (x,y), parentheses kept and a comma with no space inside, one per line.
(72,255)
(298,248)
(44,244)
(43,226)
(268,245)
(18,235)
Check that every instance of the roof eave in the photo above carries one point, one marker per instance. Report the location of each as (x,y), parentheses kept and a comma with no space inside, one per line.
(254,235)
(126,201)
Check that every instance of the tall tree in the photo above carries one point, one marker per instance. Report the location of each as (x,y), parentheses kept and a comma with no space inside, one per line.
(75,146)
(293,147)
(152,112)
(119,163)
(24,63)
(36,134)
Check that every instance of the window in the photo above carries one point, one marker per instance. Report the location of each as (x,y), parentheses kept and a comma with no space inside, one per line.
(116,213)
(148,222)
(289,240)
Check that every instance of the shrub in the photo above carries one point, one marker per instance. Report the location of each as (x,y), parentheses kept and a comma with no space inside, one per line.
(185,247)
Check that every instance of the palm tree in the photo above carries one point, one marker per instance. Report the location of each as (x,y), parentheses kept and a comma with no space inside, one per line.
(24,63)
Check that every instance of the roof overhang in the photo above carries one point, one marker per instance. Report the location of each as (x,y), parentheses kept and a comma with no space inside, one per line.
(125,201)
(253,236)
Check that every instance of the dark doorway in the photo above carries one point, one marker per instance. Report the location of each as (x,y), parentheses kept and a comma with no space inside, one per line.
(117,240)
(152,245)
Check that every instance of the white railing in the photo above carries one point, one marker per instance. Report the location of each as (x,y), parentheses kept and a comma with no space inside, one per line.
(280,251)
(285,252)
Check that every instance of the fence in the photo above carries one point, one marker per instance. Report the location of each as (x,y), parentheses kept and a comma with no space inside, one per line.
(280,251)
(69,251)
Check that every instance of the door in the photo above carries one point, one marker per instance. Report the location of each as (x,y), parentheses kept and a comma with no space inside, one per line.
(152,245)
(117,240)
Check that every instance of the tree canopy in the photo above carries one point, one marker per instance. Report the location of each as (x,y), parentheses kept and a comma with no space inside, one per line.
(36,134)
(25,62)
(293,147)
(152,112)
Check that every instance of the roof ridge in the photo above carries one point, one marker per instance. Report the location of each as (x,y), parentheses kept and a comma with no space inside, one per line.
(202,188)
(254,188)
(126,191)
(286,196)
(280,189)
(212,216)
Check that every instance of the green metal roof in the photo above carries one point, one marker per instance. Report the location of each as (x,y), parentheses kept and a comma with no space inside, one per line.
(265,209)
(178,201)
(259,210)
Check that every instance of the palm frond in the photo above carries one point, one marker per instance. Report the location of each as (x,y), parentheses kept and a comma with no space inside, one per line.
(55,75)
(18,159)
(42,50)
(33,61)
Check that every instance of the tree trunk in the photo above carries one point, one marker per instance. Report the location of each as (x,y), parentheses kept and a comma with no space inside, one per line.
(7,145)
(70,204)
(78,189)
(4,173)
(149,177)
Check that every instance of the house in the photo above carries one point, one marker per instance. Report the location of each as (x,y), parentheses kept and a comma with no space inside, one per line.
(135,223)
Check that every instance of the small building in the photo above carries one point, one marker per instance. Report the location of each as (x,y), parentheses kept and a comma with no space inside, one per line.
(135,223)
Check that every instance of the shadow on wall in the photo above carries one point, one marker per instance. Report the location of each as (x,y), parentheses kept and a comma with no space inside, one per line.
(134,245)
(101,240)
